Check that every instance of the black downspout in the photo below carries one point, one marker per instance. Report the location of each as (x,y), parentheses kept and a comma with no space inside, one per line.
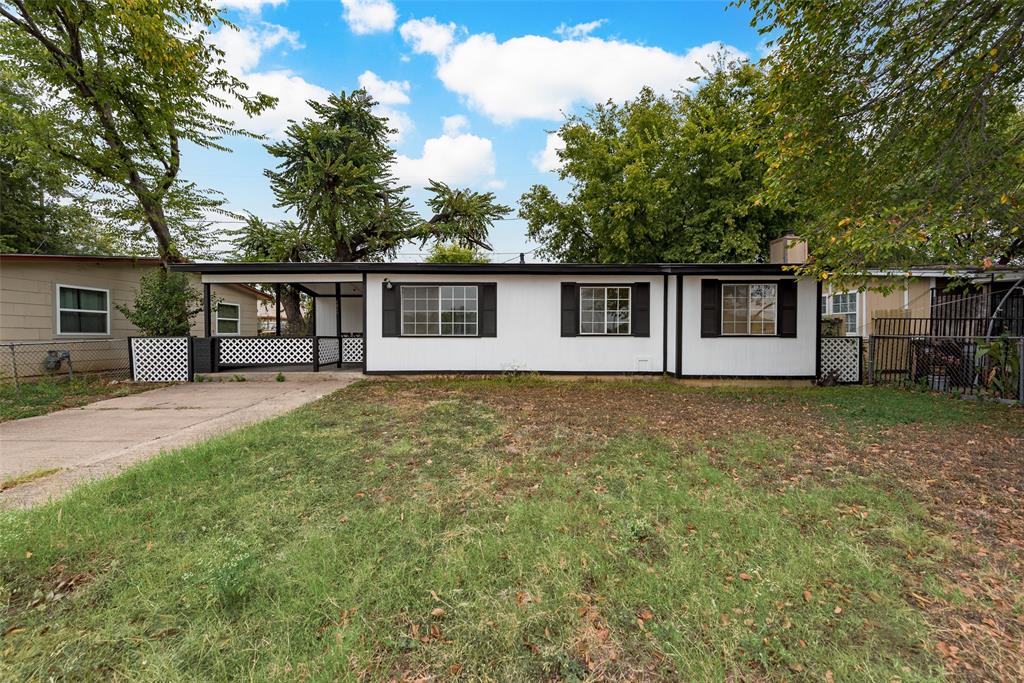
(337,307)
(312,318)
(206,309)
(817,334)
(679,325)
(277,309)
(664,324)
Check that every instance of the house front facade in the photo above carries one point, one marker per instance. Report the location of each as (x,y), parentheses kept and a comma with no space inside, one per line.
(686,320)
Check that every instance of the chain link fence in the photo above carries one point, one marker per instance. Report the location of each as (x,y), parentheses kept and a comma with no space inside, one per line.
(30,361)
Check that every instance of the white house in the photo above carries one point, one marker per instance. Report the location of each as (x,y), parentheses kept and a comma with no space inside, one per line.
(686,320)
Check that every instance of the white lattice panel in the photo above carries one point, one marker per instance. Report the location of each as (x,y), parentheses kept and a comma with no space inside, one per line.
(842,356)
(265,350)
(159,359)
(352,350)
(329,348)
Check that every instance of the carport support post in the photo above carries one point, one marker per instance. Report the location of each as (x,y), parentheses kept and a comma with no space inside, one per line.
(206,309)
(337,308)
(277,309)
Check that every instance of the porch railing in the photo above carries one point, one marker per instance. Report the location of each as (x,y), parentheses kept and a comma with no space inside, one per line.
(238,352)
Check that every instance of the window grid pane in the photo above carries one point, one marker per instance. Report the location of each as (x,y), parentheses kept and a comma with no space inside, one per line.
(749,309)
(445,311)
(605,310)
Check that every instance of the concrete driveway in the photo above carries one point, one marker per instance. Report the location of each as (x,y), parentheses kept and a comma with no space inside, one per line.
(105,437)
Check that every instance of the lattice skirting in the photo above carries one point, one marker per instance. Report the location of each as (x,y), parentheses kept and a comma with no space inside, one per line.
(842,356)
(351,350)
(329,350)
(265,350)
(160,359)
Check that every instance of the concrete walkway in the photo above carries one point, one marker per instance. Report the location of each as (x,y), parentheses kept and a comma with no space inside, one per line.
(103,438)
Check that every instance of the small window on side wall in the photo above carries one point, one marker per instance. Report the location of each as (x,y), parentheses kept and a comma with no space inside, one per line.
(228,319)
(83,310)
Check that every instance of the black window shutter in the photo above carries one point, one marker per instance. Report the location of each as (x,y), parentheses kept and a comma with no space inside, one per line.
(641,313)
(710,308)
(489,309)
(787,308)
(391,311)
(570,309)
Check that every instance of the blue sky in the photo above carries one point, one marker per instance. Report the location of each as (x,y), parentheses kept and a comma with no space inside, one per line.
(474,87)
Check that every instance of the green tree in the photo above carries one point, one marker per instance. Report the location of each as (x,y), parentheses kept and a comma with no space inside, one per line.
(335,173)
(41,211)
(663,179)
(446,252)
(165,304)
(901,122)
(119,86)
(284,241)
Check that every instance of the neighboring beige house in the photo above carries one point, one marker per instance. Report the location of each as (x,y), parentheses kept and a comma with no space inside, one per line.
(45,298)
(921,292)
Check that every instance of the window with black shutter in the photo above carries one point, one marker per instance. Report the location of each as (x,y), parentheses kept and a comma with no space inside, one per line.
(748,309)
(606,310)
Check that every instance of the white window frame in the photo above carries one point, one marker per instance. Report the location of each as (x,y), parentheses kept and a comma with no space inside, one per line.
(216,319)
(854,315)
(59,309)
(748,333)
(440,325)
(629,311)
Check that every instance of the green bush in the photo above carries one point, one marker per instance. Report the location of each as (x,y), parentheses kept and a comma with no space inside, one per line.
(165,304)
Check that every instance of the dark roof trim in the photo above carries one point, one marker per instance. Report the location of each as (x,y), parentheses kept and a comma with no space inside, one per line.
(489,268)
(144,260)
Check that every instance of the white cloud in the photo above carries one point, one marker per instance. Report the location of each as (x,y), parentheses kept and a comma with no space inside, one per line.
(243,48)
(428,36)
(456,157)
(243,51)
(453,125)
(385,92)
(547,159)
(579,30)
(536,77)
(370,16)
(397,120)
(252,6)
(292,92)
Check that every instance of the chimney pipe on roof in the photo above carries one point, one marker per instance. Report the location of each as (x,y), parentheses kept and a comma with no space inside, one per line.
(788,249)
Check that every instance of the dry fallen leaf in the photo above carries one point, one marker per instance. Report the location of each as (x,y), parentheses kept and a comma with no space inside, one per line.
(745,576)
(807,596)
(437,612)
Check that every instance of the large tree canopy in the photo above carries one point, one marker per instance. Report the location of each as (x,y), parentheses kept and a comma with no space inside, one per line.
(900,120)
(119,86)
(663,179)
(40,210)
(335,173)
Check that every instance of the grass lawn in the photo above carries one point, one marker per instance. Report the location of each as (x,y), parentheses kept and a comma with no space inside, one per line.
(520,529)
(47,395)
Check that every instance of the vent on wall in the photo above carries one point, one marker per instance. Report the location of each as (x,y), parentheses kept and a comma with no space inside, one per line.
(643,363)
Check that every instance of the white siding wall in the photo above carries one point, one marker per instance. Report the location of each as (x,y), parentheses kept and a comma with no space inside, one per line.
(750,356)
(529,332)
(327,315)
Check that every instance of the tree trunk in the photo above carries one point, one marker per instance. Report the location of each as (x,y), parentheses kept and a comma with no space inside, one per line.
(292,303)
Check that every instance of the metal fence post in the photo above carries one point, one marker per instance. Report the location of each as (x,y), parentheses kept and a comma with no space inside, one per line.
(1020,370)
(14,367)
